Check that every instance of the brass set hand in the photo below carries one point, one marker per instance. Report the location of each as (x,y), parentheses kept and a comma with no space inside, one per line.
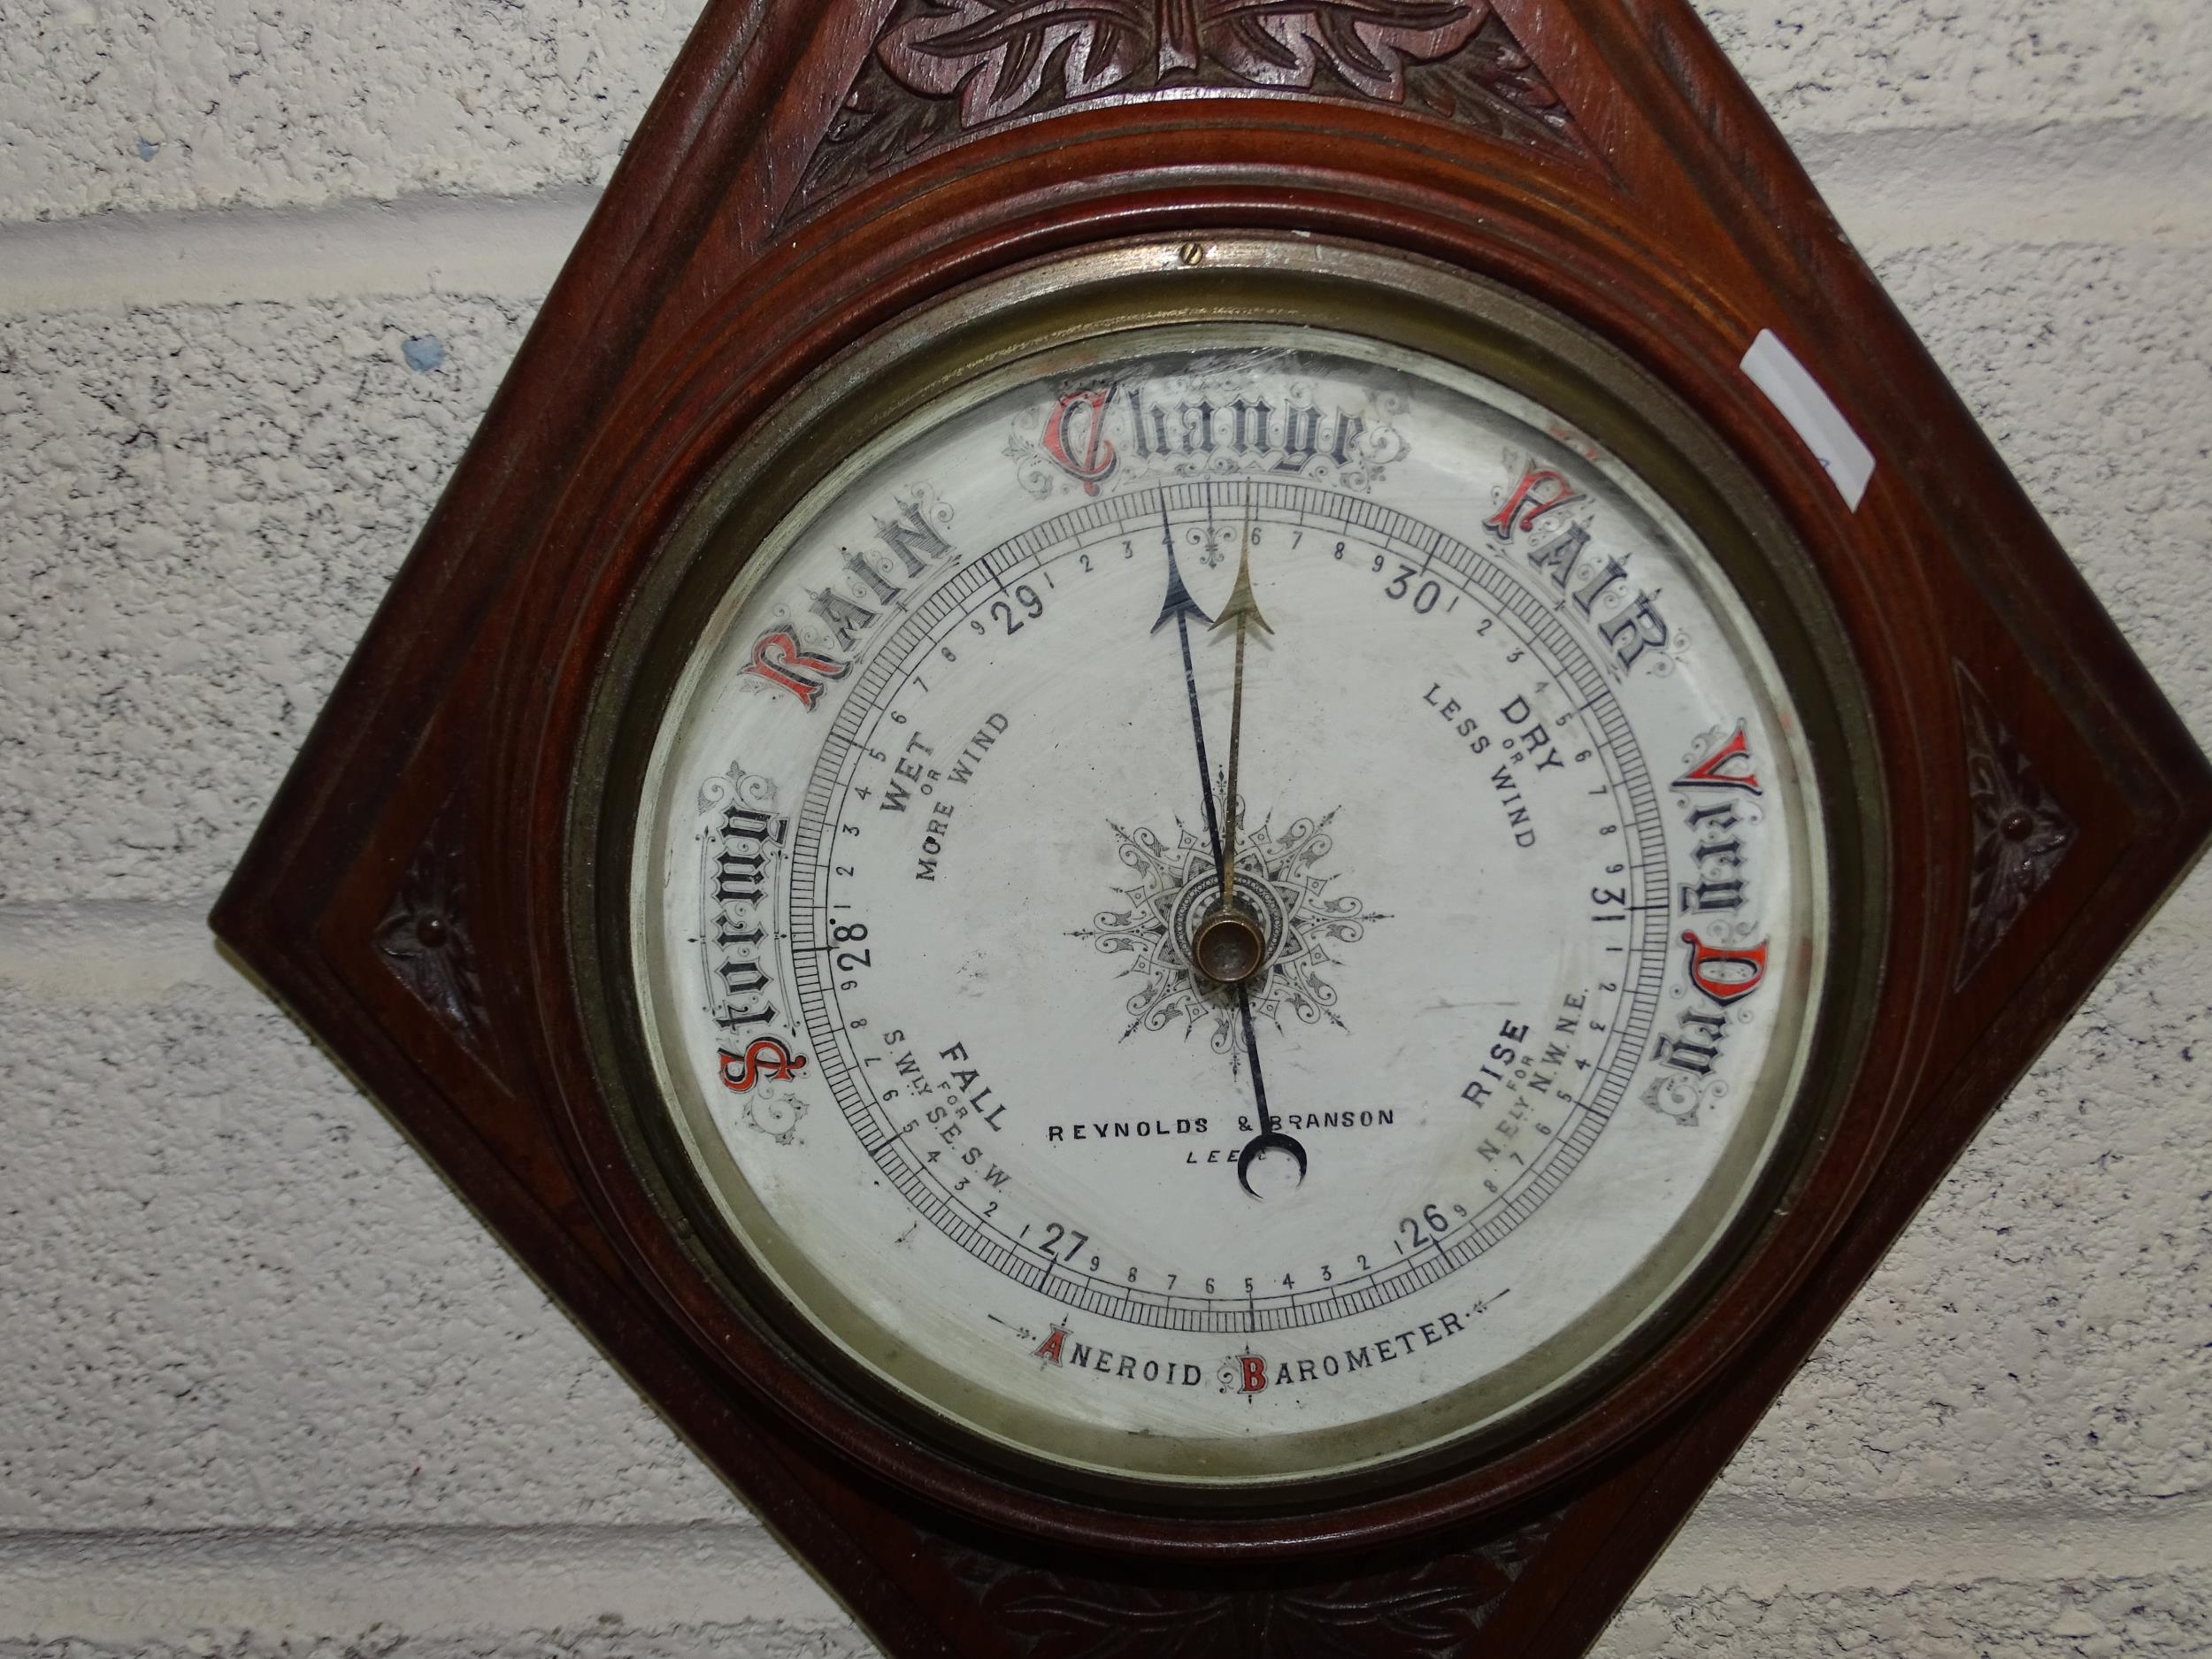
(1244,610)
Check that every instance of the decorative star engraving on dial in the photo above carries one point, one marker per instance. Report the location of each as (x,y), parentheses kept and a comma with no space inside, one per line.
(1281,879)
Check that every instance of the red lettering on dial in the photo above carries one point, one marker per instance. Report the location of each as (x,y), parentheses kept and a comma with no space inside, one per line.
(1719,771)
(762,1058)
(1097,457)
(1726,976)
(1540,491)
(779,659)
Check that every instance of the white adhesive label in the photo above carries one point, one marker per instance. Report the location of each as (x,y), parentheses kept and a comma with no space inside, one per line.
(1812,414)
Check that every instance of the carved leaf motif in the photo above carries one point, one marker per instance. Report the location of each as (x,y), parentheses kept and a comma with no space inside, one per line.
(998,54)
(1431,1611)
(1003,56)
(1366,43)
(2021,833)
(1040,1615)
(945,67)
(1491,84)
(424,936)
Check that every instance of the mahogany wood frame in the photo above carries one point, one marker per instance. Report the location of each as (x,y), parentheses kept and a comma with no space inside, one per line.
(404,896)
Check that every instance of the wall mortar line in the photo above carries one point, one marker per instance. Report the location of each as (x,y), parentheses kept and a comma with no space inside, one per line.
(438,1579)
(2118,181)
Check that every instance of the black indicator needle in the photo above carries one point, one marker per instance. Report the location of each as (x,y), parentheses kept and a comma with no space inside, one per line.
(1271,1137)
(1179,605)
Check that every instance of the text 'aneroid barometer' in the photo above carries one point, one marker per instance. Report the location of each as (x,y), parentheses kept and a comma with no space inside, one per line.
(1206,808)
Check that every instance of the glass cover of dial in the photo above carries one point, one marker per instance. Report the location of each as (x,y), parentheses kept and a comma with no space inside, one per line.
(1229,908)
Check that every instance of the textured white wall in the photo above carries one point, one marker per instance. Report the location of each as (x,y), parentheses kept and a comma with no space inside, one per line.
(266,1388)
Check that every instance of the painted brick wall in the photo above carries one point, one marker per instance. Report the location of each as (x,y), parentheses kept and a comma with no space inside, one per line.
(266,1388)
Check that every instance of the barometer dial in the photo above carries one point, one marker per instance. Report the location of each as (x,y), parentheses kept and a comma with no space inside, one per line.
(1233,905)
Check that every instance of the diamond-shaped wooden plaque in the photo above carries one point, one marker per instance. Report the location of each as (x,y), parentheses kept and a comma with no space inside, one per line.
(816,168)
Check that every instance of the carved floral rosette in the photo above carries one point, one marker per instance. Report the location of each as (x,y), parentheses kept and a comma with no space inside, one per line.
(2021,832)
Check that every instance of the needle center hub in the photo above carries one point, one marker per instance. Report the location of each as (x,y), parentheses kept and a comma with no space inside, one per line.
(1228,946)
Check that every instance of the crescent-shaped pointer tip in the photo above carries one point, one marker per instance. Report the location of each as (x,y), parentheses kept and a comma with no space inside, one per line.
(1267,1141)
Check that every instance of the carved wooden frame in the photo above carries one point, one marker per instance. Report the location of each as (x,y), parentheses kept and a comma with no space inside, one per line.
(812,172)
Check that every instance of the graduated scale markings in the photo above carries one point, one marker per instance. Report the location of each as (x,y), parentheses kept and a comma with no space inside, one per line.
(1424,567)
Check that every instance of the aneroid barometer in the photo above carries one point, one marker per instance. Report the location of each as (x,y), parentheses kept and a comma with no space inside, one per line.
(1236,899)
(1206,808)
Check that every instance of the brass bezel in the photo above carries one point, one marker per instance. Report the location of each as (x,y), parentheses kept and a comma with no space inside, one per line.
(1243,278)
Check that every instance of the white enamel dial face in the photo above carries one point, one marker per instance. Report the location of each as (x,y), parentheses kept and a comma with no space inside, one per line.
(1521,834)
